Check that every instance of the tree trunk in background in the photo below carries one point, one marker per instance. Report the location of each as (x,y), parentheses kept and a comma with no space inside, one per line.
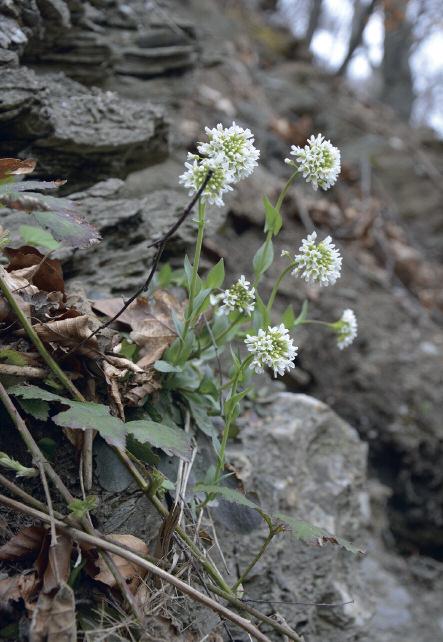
(314,19)
(359,22)
(397,85)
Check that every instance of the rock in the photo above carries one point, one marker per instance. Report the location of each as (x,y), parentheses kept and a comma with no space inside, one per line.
(68,128)
(301,459)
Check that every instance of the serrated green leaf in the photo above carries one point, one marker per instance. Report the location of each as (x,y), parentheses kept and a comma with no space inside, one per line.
(94,416)
(263,258)
(38,237)
(12,464)
(34,392)
(273,217)
(171,440)
(230,495)
(37,408)
(143,452)
(306,532)
(216,276)
(68,227)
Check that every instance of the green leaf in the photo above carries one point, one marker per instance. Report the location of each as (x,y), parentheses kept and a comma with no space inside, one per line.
(216,276)
(80,415)
(12,357)
(165,366)
(230,495)
(303,314)
(164,276)
(288,318)
(79,507)
(263,259)
(143,452)
(201,302)
(86,415)
(35,236)
(68,227)
(273,217)
(12,464)
(37,408)
(201,418)
(262,318)
(231,406)
(171,440)
(188,271)
(309,533)
(128,350)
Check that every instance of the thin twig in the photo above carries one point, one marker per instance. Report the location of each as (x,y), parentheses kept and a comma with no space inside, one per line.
(110,547)
(64,492)
(51,517)
(29,499)
(23,371)
(160,244)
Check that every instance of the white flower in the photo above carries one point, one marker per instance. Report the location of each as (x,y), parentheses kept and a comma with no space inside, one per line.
(272,348)
(196,171)
(346,329)
(318,161)
(318,263)
(235,145)
(239,297)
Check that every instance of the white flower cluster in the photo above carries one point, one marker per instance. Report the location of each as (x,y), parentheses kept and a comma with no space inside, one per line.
(346,329)
(318,262)
(240,297)
(318,161)
(230,155)
(272,348)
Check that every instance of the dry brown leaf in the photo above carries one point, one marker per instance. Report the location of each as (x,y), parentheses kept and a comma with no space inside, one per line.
(16,166)
(21,288)
(68,333)
(59,563)
(130,571)
(25,543)
(113,375)
(46,274)
(53,619)
(150,321)
(9,591)
(145,384)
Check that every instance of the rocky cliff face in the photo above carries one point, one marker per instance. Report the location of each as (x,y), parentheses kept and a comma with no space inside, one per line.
(111,95)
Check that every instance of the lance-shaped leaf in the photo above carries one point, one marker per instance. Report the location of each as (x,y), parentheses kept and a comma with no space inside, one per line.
(306,532)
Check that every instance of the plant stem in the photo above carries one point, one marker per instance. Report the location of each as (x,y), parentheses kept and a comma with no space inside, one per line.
(251,565)
(225,436)
(127,554)
(284,191)
(277,286)
(27,437)
(33,336)
(222,335)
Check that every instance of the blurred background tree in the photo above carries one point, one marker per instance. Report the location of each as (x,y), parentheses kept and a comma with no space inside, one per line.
(388,49)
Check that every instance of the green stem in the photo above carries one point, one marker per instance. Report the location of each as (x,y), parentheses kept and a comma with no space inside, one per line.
(277,286)
(222,335)
(141,482)
(195,266)
(257,557)
(284,191)
(35,339)
(225,436)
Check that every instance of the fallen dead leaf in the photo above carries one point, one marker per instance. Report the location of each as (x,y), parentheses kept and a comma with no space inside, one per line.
(25,543)
(69,333)
(16,166)
(130,571)
(113,375)
(45,273)
(53,619)
(150,321)
(59,563)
